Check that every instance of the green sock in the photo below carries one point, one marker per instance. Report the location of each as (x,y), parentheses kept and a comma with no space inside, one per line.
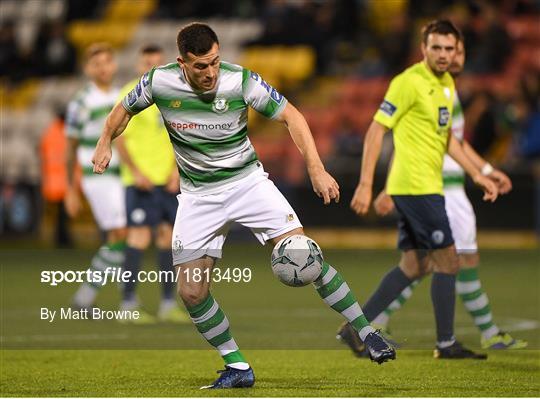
(212,323)
(336,293)
(476,301)
(108,256)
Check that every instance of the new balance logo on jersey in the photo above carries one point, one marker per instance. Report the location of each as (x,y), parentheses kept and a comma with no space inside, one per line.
(444,116)
(276,96)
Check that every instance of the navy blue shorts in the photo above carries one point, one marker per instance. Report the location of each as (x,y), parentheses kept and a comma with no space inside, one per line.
(423,223)
(150,208)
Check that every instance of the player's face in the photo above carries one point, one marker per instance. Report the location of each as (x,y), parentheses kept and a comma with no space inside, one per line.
(456,67)
(201,70)
(439,51)
(101,68)
(148,61)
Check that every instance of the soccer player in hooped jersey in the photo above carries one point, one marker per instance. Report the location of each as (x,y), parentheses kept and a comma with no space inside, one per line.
(204,103)
(85,119)
(463,224)
(417,107)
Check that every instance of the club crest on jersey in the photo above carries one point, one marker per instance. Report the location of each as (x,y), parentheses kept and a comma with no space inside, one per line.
(444,116)
(175,104)
(220,105)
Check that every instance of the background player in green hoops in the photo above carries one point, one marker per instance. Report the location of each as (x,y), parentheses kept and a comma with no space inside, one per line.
(85,119)
(148,170)
(463,224)
(417,108)
(204,103)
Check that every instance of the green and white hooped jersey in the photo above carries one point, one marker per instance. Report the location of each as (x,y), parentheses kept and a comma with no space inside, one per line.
(85,119)
(208,130)
(453,173)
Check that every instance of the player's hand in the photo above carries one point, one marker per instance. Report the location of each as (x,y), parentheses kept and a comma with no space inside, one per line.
(383,204)
(72,202)
(491,191)
(102,156)
(325,186)
(504,184)
(142,182)
(361,199)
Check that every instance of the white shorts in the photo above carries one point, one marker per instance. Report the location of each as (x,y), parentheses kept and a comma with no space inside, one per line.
(105,194)
(462,220)
(203,221)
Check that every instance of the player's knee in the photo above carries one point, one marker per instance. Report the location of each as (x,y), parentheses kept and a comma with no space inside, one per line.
(192,295)
(163,236)
(446,260)
(116,235)
(139,237)
(412,265)
(469,260)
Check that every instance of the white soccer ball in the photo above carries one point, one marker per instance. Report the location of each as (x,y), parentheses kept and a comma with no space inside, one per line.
(297,260)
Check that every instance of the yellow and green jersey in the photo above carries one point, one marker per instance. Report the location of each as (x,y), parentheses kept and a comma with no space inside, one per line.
(418,107)
(148,145)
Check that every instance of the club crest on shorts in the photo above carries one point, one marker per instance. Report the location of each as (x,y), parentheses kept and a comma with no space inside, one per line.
(220,105)
(177,246)
(138,215)
(437,237)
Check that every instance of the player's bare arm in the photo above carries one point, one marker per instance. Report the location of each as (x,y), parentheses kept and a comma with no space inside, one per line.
(384,204)
(372,148)
(173,183)
(455,150)
(323,183)
(72,200)
(116,123)
(141,181)
(504,184)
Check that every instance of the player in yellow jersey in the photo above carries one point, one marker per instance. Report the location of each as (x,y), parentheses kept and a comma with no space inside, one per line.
(149,173)
(417,108)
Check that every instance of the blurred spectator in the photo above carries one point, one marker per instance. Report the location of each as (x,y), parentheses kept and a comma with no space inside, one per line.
(395,44)
(9,57)
(82,9)
(488,44)
(480,114)
(55,53)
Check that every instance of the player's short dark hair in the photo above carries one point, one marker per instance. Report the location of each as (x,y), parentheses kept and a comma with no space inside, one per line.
(151,49)
(196,38)
(441,27)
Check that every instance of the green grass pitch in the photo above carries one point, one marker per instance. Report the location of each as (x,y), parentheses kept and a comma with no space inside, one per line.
(287,334)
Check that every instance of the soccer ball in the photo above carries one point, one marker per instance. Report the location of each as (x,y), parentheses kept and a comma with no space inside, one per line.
(297,260)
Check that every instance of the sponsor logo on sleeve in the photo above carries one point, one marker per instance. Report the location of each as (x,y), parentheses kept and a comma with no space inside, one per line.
(146,79)
(388,108)
(276,96)
(132,98)
(444,116)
